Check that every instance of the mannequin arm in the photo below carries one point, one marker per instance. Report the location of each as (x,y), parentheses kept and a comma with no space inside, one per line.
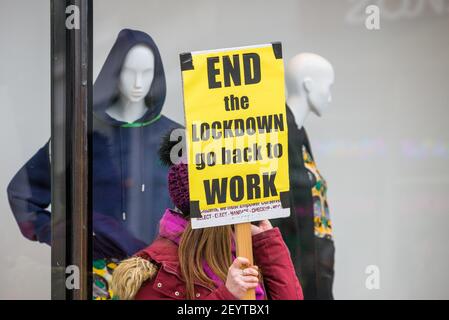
(29,195)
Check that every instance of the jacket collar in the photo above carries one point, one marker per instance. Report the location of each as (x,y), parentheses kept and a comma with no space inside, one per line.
(163,251)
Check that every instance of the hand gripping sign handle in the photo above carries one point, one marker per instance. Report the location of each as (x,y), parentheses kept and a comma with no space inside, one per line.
(244,249)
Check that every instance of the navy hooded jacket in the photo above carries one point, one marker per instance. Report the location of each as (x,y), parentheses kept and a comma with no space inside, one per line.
(130,191)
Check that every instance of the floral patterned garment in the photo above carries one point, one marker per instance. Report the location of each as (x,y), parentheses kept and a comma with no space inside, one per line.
(102,275)
(322,221)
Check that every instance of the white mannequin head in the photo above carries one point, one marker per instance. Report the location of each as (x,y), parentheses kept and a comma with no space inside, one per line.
(309,79)
(137,73)
(135,81)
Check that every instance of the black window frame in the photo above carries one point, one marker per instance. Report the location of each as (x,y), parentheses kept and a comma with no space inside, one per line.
(71,150)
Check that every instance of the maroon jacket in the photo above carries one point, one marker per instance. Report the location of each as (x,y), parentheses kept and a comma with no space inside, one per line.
(270,255)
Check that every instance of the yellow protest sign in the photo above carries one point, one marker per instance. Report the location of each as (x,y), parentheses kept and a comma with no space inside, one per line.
(237,137)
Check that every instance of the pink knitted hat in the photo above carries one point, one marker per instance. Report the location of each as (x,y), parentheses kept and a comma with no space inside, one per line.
(178,187)
(178,179)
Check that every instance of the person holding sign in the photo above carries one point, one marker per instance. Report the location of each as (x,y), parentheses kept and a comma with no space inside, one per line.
(237,138)
(186,263)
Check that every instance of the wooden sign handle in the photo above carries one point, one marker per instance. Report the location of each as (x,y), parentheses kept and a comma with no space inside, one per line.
(244,248)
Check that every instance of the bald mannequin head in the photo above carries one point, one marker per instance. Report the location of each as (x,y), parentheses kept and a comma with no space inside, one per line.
(309,78)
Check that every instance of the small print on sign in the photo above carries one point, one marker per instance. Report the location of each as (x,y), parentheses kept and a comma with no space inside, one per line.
(237,139)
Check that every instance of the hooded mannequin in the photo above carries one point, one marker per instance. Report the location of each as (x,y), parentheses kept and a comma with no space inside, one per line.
(308,230)
(129,183)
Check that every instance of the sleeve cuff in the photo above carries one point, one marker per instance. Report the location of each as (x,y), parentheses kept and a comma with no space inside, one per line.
(260,238)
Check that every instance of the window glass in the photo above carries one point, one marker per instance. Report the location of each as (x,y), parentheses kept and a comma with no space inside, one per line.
(25,132)
(382,145)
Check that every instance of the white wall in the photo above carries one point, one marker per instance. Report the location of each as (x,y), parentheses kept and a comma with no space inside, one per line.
(383,147)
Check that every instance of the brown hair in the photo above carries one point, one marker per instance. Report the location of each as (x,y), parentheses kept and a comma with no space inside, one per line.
(211,245)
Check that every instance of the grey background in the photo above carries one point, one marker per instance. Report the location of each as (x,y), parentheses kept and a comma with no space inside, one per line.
(383,146)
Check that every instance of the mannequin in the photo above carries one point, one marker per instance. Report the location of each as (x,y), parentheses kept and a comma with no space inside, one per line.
(135,81)
(308,230)
(309,79)
(129,185)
